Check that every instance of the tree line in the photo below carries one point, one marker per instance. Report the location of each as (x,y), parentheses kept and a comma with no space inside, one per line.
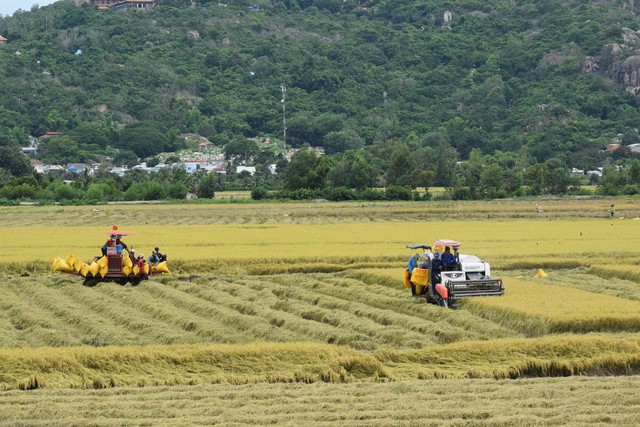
(494,102)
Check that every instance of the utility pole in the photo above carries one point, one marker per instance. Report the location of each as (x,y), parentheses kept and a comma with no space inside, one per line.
(384,95)
(284,117)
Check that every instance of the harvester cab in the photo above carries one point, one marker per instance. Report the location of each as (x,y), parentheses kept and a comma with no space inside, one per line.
(450,277)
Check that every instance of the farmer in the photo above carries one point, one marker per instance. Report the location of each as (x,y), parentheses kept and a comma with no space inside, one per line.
(156,257)
(114,240)
(448,259)
(413,263)
(436,264)
(132,256)
(141,263)
(424,265)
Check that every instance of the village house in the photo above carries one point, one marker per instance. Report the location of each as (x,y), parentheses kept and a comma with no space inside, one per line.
(205,146)
(3,40)
(123,4)
(76,167)
(634,148)
(613,147)
(191,166)
(50,134)
(38,166)
(250,169)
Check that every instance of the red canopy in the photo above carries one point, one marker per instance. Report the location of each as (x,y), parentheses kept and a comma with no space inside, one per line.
(115,231)
(447,242)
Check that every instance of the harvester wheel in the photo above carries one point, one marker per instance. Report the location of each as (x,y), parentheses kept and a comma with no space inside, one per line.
(136,281)
(91,281)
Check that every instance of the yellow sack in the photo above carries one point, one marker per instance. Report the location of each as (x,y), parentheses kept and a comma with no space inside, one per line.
(126,262)
(93,268)
(84,270)
(61,265)
(146,268)
(70,260)
(420,276)
(126,270)
(102,271)
(136,269)
(102,262)
(161,268)
(406,278)
(77,266)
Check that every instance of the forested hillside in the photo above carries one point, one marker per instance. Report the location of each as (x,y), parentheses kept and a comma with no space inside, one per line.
(397,92)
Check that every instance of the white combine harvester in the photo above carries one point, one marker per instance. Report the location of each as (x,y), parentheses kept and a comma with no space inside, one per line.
(445,285)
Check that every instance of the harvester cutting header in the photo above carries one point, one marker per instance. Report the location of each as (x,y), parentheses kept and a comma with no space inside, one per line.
(443,276)
(117,264)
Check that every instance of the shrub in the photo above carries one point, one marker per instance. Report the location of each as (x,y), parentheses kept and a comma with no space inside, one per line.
(372,194)
(462,193)
(394,192)
(259,193)
(337,194)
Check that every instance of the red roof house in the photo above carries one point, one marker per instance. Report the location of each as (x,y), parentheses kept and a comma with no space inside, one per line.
(50,134)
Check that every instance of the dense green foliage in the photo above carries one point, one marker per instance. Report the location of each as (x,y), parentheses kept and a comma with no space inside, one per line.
(393,91)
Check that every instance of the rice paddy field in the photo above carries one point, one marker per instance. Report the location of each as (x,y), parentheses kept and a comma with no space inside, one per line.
(295,314)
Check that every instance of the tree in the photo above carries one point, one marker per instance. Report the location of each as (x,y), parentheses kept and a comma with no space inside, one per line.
(144,138)
(92,134)
(445,159)
(125,158)
(350,170)
(306,170)
(557,179)
(338,142)
(207,186)
(401,166)
(241,149)
(12,160)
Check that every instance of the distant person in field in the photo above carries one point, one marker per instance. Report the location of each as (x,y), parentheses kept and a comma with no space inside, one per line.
(611,211)
(539,208)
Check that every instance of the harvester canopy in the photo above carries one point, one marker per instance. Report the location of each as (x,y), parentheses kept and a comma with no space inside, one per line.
(116,232)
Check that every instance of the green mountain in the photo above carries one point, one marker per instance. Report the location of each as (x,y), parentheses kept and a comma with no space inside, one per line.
(547,80)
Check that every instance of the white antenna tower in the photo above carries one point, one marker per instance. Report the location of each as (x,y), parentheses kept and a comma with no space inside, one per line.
(284,116)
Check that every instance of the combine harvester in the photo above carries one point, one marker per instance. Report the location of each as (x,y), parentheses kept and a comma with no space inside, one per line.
(116,266)
(444,285)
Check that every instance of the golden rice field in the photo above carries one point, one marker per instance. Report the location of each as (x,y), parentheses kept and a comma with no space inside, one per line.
(295,314)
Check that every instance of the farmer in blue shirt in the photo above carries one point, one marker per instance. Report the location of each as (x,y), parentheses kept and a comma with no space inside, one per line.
(448,259)
(413,263)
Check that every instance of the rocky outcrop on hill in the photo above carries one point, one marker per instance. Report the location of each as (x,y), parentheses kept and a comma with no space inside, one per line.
(624,68)
(627,73)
